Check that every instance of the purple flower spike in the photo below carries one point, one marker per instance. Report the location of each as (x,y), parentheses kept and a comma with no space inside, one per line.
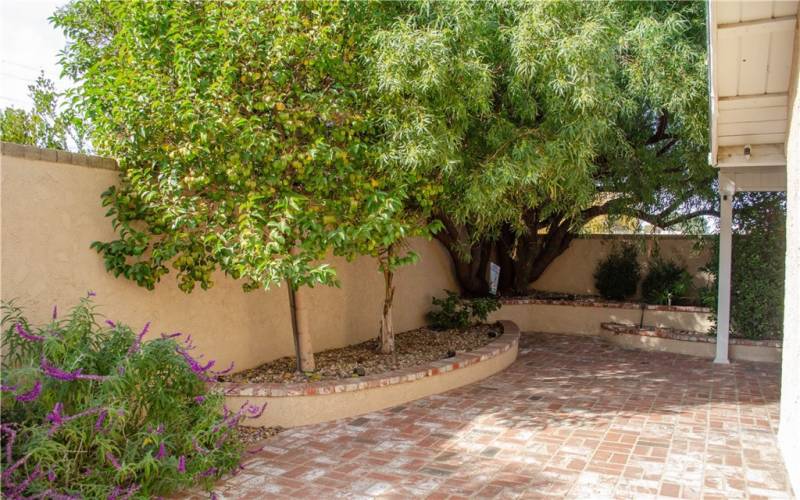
(111,323)
(90,293)
(31,395)
(138,342)
(55,416)
(51,475)
(160,429)
(223,372)
(199,399)
(101,419)
(59,374)
(114,462)
(55,312)
(27,335)
(255,412)
(171,335)
(208,472)
(162,451)
(8,388)
(12,435)
(182,464)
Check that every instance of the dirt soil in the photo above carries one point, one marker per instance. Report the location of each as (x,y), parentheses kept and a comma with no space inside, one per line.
(415,347)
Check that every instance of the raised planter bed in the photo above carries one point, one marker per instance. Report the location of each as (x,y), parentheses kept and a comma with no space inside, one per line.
(689,342)
(584,316)
(292,405)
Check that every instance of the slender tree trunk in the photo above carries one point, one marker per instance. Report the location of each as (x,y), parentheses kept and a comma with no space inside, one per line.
(305,348)
(387,329)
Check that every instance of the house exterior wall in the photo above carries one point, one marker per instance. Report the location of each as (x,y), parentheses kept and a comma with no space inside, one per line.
(50,213)
(789,429)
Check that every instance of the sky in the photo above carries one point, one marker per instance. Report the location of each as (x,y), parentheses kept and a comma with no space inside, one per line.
(28,44)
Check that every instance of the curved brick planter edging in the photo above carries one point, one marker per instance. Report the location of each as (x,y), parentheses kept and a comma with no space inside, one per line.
(292,405)
(599,303)
(689,342)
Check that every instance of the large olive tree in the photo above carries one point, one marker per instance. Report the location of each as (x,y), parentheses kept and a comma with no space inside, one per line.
(535,117)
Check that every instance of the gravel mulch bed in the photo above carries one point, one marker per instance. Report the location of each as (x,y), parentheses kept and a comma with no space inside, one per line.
(412,348)
(252,435)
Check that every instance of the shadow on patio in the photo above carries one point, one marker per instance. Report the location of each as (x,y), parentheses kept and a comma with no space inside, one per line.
(573,416)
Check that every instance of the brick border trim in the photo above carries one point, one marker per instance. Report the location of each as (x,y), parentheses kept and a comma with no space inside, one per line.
(684,335)
(57,156)
(503,343)
(511,301)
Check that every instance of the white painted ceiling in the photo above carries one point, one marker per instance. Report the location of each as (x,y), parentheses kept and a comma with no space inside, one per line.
(751,46)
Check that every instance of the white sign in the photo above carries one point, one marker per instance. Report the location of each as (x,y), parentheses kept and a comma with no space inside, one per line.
(494,277)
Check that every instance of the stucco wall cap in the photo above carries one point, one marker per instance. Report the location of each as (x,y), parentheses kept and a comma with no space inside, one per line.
(56,156)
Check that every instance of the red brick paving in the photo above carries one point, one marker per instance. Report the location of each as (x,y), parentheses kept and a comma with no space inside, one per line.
(572,417)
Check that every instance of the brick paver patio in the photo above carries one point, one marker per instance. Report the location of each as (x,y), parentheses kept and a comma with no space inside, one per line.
(572,417)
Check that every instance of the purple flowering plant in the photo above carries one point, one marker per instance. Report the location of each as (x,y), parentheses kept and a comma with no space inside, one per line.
(96,409)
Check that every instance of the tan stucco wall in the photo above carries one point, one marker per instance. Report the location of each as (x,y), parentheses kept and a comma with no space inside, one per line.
(587,320)
(572,271)
(789,429)
(762,354)
(51,213)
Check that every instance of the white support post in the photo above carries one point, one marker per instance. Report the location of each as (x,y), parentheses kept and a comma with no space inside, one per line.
(727,189)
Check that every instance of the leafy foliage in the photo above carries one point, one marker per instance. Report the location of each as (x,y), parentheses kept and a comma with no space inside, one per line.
(90,410)
(666,282)
(46,125)
(457,312)
(528,115)
(758,266)
(243,138)
(617,275)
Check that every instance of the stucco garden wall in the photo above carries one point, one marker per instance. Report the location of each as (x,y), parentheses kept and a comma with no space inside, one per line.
(572,271)
(50,213)
(789,430)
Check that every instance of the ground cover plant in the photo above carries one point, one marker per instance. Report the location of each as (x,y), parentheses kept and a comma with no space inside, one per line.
(92,410)
(457,312)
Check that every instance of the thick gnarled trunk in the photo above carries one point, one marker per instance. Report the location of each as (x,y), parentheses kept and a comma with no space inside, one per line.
(522,258)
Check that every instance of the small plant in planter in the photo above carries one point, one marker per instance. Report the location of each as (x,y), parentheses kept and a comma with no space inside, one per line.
(666,283)
(91,410)
(456,312)
(617,276)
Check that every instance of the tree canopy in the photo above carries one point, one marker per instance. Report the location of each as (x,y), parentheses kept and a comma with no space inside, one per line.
(534,117)
(257,137)
(46,125)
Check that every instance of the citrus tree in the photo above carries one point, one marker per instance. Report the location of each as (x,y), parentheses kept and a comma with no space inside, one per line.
(535,117)
(242,136)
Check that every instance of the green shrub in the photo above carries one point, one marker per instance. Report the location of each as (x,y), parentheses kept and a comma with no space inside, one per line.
(666,282)
(457,312)
(90,410)
(617,276)
(757,270)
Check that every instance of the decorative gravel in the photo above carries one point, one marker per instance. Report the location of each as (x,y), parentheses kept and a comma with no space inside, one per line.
(251,435)
(413,348)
